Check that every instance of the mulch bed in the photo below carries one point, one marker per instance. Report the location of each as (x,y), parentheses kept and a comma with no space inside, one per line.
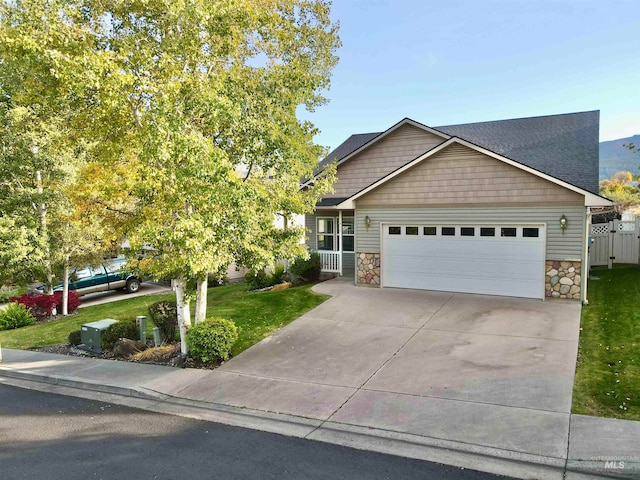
(175,360)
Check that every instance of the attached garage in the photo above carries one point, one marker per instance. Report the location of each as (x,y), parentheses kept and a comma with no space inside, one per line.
(493,259)
(494,208)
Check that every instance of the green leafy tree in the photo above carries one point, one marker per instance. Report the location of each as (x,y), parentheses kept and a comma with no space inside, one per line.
(41,90)
(192,111)
(620,190)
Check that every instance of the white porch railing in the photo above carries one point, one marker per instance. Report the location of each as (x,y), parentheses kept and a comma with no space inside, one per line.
(331,261)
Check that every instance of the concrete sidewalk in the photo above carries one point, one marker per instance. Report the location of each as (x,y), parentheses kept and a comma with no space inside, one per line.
(595,446)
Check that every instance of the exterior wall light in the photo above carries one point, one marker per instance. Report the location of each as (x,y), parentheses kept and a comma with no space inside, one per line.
(563,223)
(367,222)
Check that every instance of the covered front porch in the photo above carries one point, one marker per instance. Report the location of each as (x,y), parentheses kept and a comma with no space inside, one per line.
(332,235)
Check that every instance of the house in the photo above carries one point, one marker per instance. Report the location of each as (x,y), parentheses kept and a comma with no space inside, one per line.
(497,208)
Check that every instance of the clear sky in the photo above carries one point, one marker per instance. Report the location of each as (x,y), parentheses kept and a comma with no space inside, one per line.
(444,62)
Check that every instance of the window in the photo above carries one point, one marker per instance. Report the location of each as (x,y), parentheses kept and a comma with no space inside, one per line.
(467,231)
(395,231)
(448,231)
(487,232)
(508,232)
(99,270)
(325,234)
(530,232)
(411,230)
(116,266)
(82,273)
(348,232)
(429,231)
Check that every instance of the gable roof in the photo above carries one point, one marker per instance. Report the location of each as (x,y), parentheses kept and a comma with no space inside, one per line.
(564,146)
(590,199)
(358,142)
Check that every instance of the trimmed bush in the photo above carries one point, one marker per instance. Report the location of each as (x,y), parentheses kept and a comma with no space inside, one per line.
(277,276)
(212,339)
(309,269)
(257,279)
(165,316)
(40,305)
(15,315)
(75,337)
(121,329)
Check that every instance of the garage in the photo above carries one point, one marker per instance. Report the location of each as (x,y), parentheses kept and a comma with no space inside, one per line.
(506,260)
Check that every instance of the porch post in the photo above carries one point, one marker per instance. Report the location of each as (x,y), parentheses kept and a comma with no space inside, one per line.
(340,239)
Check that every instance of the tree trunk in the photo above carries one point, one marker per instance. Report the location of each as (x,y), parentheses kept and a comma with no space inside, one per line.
(65,290)
(44,235)
(184,315)
(201,299)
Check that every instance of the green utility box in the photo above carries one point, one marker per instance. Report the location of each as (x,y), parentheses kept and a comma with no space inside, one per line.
(90,334)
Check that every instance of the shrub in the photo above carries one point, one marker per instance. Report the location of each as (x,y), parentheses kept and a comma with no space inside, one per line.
(7,292)
(75,337)
(212,339)
(277,276)
(121,329)
(309,269)
(165,316)
(15,315)
(40,305)
(73,301)
(256,279)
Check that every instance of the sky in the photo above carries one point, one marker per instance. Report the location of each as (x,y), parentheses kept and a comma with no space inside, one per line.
(463,61)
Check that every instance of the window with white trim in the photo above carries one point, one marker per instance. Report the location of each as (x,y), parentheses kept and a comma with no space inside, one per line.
(348,234)
(325,234)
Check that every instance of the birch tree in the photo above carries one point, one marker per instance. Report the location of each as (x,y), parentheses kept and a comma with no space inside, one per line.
(43,57)
(190,108)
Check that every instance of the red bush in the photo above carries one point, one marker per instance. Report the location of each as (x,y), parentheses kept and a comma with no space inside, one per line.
(39,305)
(74,301)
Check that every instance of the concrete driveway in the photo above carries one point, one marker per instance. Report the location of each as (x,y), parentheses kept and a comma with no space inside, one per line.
(493,372)
(98,298)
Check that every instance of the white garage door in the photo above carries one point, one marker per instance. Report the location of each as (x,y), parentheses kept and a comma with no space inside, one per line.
(486,259)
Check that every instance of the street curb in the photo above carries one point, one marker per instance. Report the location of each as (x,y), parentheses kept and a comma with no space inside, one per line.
(458,454)
(82,385)
(405,445)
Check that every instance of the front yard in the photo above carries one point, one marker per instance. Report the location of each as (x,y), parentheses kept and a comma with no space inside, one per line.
(256,314)
(607,380)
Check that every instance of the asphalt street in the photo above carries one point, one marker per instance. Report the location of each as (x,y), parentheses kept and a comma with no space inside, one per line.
(47,436)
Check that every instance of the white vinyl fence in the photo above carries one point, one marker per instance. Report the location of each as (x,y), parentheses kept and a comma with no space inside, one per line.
(615,242)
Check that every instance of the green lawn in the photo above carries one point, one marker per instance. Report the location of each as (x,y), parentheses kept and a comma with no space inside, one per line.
(257,314)
(608,373)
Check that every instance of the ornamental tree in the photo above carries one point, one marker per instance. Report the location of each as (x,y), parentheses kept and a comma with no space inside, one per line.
(44,61)
(197,141)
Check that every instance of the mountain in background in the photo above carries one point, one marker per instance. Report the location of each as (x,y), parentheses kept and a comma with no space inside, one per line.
(615,157)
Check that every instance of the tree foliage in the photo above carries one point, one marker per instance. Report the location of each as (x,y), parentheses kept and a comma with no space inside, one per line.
(619,189)
(41,148)
(185,113)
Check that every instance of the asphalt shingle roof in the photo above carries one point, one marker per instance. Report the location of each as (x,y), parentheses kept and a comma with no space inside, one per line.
(564,146)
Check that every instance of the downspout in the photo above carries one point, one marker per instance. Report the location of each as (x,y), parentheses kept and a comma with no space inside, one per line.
(585,258)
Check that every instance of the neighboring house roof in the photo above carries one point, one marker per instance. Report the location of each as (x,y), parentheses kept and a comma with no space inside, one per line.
(564,146)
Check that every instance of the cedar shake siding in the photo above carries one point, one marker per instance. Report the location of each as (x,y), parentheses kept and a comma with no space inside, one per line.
(460,176)
(383,157)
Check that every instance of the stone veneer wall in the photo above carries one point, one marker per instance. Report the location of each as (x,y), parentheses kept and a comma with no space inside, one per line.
(563,279)
(368,268)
